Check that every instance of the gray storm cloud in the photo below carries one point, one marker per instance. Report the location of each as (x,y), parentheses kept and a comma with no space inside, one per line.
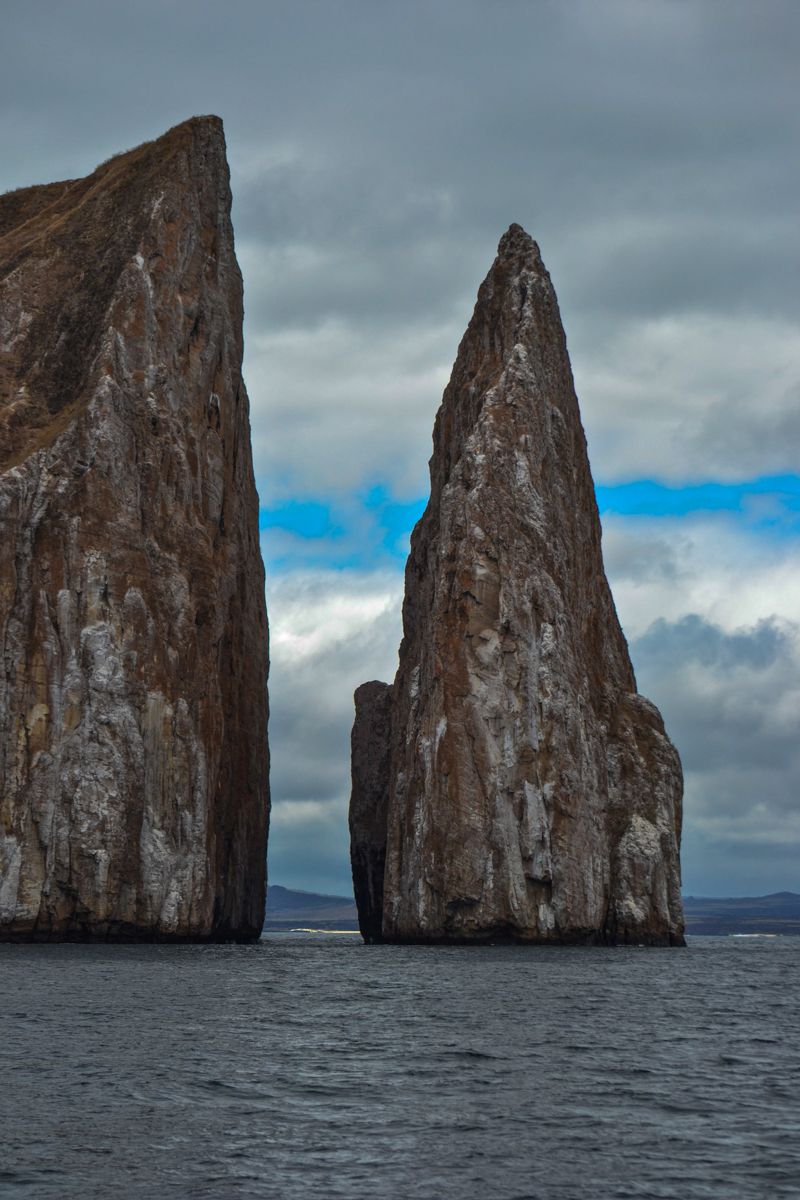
(731,700)
(377,153)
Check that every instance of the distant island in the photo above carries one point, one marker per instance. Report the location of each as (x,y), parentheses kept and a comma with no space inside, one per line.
(777,913)
(287,909)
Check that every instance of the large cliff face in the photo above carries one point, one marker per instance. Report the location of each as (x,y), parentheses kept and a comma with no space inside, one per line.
(133,711)
(528,791)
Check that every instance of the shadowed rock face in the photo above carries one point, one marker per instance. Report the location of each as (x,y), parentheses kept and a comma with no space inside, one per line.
(133,710)
(529,792)
(370,749)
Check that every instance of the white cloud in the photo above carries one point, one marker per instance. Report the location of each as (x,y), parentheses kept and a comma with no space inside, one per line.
(711,613)
(683,397)
(691,397)
(336,408)
(376,159)
(731,701)
(710,609)
(330,631)
(711,565)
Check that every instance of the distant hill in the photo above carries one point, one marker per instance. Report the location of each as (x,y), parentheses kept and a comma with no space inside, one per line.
(288,909)
(777,913)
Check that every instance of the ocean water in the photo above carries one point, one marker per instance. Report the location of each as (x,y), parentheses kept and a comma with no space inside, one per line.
(305,1067)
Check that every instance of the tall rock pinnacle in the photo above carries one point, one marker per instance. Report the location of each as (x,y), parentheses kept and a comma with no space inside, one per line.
(133,708)
(511,782)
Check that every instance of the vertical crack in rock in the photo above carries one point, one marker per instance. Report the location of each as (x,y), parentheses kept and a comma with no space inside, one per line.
(512,779)
(133,709)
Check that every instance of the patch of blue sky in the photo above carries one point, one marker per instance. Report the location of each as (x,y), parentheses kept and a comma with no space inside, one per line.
(367,530)
(771,502)
(394,518)
(372,528)
(304,518)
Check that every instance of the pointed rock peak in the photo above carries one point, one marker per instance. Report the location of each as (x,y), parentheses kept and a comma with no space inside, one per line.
(200,139)
(194,129)
(205,121)
(518,259)
(69,245)
(515,326)
(515,287)
(517,243)
(511,783)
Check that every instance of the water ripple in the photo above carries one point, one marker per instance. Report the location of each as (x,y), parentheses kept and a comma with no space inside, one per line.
(306,1067)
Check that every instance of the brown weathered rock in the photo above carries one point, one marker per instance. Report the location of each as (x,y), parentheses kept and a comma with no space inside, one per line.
(529,792)
(369,751)
(133,709)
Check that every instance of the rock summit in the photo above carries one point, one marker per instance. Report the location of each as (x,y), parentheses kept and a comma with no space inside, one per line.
(512,783)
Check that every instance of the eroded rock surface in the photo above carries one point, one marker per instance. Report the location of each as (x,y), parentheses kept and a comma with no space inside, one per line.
(370,757)
(133,710)
(529,791)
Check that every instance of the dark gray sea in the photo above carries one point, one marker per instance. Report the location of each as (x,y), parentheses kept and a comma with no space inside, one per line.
(307,1067)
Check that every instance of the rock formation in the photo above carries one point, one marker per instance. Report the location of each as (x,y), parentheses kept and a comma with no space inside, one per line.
(511,778)
(370,754)
(133,710)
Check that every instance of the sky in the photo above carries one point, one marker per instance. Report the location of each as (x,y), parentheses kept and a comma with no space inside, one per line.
(378,151)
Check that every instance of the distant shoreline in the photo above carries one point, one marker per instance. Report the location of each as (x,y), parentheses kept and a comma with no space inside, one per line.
(776,915)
